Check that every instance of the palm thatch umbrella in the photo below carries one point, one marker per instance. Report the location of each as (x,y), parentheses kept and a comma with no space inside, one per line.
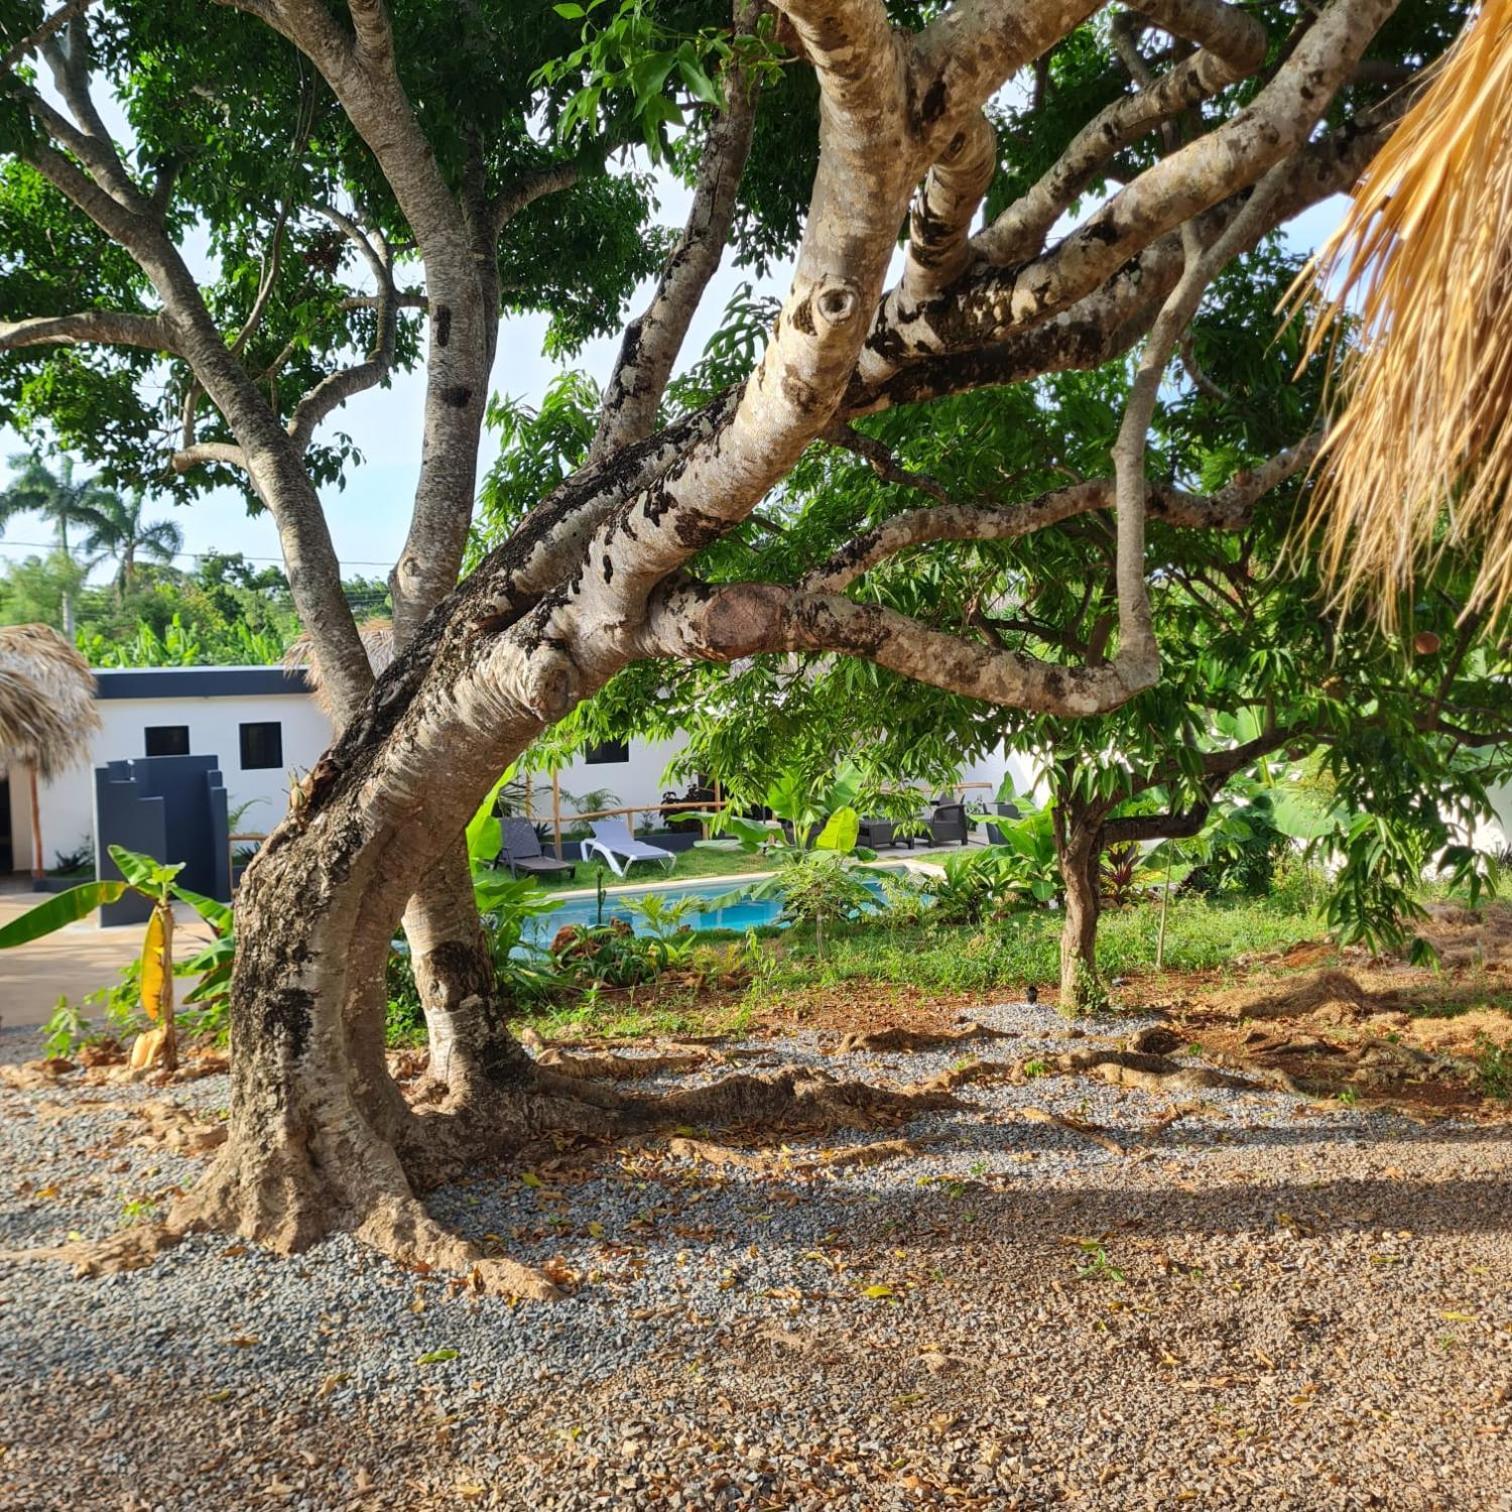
(47,710)
(377,636)
(1420,458)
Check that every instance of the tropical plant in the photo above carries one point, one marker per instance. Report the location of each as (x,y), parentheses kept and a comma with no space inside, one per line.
(819,887)
(158,1046)
(120,534)
(664,918)
(506,905)
(976,885)
(64,501)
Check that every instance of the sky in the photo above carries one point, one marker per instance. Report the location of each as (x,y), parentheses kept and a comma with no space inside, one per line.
(369,517)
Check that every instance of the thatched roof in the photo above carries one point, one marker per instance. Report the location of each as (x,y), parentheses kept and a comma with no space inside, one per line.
(1420,458)
(47,706)
(377,639)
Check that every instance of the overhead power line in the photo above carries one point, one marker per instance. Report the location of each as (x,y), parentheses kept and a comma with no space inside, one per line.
(198,556)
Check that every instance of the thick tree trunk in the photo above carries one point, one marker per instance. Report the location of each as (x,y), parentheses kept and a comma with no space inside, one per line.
(1078,845)
(471,1049)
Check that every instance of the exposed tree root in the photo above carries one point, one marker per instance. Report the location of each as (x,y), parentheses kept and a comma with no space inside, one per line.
(609,1067)
(912,1039)
(407,1234)
(1095,1132)
(875,1152)
(176,1126)
(790,1098)
(1149,1073)
(279,1189)
(126,1249)
(971,1073)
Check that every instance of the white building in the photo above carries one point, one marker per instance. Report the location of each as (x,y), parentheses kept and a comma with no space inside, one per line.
(259,722)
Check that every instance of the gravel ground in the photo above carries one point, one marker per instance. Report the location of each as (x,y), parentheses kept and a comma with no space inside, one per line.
(1265,1304)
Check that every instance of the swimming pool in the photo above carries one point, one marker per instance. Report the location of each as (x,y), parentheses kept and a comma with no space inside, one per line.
(584,911)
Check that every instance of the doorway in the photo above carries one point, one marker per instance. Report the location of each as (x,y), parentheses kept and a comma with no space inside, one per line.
(7,853)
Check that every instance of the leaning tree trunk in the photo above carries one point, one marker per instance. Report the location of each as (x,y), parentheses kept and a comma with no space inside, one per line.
(1078,845)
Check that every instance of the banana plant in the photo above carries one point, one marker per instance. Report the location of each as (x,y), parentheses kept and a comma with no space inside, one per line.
(821,815)
(157,1046)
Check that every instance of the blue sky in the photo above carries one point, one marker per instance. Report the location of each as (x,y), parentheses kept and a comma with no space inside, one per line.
(369,517)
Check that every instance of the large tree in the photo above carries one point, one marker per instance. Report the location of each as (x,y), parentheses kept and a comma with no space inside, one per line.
(905,103)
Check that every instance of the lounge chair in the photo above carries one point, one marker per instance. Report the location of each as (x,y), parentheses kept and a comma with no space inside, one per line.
(948,824)
(520,850)
(612,840)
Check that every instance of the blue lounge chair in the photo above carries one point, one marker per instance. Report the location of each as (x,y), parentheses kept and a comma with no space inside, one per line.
(612,840)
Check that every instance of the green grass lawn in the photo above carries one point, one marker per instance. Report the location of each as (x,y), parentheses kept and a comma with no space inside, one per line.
(995,960)
(1200,935)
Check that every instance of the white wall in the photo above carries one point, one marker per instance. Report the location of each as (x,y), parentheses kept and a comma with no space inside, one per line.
(991,769)
(1492,837)
(67,803)
(636,781)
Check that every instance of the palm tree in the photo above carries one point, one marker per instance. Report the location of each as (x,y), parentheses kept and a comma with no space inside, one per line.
(121,535)
(60,499)
(47,710)
(1420,457)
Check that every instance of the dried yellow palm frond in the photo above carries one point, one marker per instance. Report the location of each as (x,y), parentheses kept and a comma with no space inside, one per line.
(1419,459)
(377,639)
(47,700)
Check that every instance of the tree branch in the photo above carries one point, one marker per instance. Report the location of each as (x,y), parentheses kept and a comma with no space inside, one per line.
(1230,508)
(1020,231)
(107,327)
(989,306)
(939,223)
(188,457)
(652,340)
(526,190)
(734,620)
(49,26)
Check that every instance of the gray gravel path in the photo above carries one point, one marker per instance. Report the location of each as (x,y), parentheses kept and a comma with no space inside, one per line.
(1267,1305)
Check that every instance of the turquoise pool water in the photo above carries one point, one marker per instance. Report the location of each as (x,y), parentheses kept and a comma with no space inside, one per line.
(739,916)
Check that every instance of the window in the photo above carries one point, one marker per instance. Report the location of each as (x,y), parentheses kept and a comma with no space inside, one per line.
(261,745)
(167,740)
(609,753)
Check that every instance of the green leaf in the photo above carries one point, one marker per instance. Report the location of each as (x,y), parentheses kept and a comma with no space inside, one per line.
(216,914)
(437,1357)
(144,873)
(66,908)
(700,85)
(569,12)
(840,832)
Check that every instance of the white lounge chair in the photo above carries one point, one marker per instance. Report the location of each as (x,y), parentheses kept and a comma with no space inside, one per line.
(612,840)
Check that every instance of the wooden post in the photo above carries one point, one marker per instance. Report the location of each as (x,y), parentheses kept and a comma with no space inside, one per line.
(556,810)
(38,869)
(529,797)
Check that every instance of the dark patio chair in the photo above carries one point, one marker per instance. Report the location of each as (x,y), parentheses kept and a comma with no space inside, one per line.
(881,834)
(1003,811)
(948,824)
(520,850)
